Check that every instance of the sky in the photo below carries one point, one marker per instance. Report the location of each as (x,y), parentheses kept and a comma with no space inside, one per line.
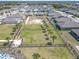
(39,0)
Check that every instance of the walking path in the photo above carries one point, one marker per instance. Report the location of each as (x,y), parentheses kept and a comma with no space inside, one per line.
(27,20)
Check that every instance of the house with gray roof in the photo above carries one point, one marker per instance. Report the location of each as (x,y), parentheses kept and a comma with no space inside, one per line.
(13,19)
(75,33)
(56,15)
(72,12)
(68,25)
(62,19)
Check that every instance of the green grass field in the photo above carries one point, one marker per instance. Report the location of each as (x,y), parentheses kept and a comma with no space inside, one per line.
(5,31)
(58,40)
(47,53)
(32,34)
(51,27)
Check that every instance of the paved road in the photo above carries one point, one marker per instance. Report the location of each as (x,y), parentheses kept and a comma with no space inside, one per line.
(27,20)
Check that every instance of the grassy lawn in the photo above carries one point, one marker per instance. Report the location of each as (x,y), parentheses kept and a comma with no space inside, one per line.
(32,34)
(58,40)
(47,53)
(54,31)
(5,31)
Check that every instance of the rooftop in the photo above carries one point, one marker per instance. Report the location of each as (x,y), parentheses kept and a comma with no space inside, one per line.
(63,19)
(56,14)
(76,31)
(70,24)
(12,19)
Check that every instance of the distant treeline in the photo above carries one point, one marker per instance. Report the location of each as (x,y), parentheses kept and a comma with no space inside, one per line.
(36,2)
(1,8)
(7,5)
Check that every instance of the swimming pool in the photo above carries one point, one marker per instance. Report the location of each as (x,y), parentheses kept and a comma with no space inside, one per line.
(5,56)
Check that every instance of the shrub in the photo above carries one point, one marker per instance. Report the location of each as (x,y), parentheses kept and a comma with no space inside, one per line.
(49,43)
(36,56)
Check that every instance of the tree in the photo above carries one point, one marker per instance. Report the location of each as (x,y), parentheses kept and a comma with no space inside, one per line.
(36,56)
(18,25)
(7,38)
(47,38)
(46,34)
(54,37)
(49,43)
(12,33)
(57,6)
(51,32)
(5,44)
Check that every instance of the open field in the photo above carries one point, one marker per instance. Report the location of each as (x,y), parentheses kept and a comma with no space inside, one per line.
(33,34)
(47,53)
(5,31)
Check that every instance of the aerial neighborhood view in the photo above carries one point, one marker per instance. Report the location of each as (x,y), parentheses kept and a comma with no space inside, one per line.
(39,29)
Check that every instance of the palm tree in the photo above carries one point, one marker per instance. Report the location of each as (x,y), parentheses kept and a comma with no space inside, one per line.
(54,37)
(49,43)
